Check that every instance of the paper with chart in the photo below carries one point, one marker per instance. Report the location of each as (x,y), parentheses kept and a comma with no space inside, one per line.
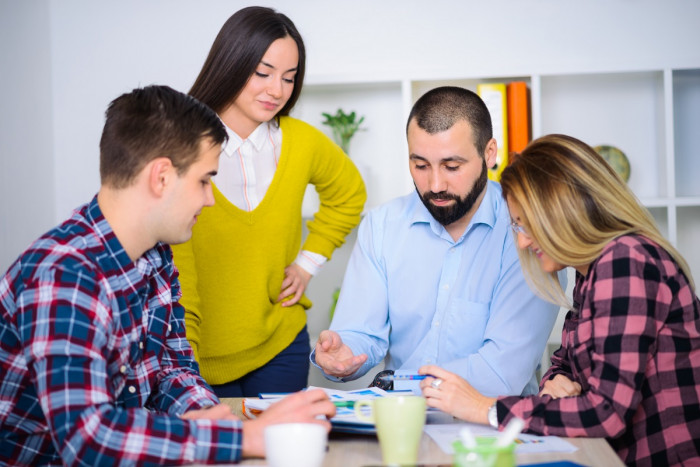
(345,417)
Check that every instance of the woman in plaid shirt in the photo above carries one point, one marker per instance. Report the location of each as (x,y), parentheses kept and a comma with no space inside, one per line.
(629,365)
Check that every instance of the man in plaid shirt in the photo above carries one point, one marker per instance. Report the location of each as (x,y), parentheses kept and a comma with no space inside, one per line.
(95,368)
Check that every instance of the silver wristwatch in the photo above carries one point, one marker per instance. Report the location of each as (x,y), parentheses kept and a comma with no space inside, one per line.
(493,416)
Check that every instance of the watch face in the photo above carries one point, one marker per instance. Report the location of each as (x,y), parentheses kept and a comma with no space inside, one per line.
(493,416)
(617,160)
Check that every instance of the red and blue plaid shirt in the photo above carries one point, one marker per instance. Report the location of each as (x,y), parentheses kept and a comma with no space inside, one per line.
(633,344)
(95,368)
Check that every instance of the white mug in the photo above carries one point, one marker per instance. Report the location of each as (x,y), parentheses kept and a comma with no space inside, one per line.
(295,445)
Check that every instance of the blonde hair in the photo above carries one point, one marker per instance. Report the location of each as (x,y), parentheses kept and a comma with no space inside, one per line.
(573,204)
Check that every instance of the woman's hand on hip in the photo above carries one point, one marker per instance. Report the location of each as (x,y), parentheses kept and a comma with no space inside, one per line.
(294,284)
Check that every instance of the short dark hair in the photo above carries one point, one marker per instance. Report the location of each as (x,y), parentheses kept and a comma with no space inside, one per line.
(439,109)
(151,122)
(236,52)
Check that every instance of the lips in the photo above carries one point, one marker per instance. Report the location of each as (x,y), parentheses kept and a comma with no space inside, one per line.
(269,105)
(441,202)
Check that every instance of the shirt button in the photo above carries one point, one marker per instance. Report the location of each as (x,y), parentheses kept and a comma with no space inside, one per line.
(446,286)
(122,368)
(132,389)
(170,327)
(437,323)
(140,345)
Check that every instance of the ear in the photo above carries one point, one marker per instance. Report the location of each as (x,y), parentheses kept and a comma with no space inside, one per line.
(491,153)
(160,172)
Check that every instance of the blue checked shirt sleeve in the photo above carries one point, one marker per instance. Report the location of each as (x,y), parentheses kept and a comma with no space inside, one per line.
(65,325)
(181,387)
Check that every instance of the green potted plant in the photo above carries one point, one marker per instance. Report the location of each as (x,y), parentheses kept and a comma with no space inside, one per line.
(344,127)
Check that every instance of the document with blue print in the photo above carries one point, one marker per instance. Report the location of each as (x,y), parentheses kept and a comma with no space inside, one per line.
(345,419)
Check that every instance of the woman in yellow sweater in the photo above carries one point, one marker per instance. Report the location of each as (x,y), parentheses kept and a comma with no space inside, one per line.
(244,272)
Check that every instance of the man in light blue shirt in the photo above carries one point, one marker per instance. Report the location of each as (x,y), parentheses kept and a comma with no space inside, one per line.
(434,277)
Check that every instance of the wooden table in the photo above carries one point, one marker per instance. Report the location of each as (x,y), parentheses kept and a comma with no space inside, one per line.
(347,450)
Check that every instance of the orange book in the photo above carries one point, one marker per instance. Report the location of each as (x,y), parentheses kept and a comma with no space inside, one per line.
(518,117)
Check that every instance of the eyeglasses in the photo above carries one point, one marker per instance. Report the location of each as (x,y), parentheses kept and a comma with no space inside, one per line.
(518,229)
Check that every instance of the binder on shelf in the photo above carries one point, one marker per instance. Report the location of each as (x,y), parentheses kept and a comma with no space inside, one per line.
(518,117)
(494,96)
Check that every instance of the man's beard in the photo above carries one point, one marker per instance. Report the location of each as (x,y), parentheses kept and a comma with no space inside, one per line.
(446,215)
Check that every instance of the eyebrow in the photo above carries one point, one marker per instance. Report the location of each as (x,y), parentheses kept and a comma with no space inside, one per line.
(446,159)
(274,68)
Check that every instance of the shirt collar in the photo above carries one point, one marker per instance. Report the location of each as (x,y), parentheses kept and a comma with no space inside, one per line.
(114,252)
(257,138)
(485,214)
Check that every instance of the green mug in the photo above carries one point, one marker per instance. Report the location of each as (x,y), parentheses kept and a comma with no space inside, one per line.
(399,421)
(484,454)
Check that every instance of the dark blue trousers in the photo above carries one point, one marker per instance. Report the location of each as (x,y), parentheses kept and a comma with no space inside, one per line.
(286,372)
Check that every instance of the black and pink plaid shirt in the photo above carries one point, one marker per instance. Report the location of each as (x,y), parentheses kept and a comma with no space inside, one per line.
(633,343)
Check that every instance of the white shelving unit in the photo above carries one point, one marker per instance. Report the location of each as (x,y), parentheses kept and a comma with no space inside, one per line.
(653,115)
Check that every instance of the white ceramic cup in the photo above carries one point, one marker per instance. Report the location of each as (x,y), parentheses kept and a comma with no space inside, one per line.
(295,445)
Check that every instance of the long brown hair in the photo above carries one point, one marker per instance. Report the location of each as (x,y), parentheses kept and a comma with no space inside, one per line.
(236,52)
(573,204)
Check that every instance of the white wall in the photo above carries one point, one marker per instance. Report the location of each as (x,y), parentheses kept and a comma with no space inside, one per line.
(26,142)
(63,61)
(102,49)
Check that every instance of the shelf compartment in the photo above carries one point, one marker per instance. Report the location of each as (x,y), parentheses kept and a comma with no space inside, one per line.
(660,215)
(625,110)
(688,235)
(686,115)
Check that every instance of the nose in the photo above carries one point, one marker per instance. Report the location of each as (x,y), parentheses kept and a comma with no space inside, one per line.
(437,184)
(275,88)
(209,196)
(523,241)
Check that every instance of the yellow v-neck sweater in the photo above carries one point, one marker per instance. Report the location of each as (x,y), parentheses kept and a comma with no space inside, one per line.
(232,268)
